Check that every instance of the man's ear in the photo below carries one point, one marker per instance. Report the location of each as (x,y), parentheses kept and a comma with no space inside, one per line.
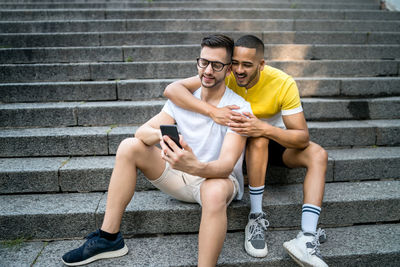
(262,64)
(228,70)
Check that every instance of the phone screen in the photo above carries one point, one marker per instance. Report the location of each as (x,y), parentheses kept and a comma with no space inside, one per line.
(172,132)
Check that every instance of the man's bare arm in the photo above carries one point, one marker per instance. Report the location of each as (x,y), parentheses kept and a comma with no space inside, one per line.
(231,150)
(184,160)
(294,136)
(181,94)
(149,132)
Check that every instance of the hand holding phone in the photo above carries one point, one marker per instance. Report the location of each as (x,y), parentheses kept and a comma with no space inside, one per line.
(172,132)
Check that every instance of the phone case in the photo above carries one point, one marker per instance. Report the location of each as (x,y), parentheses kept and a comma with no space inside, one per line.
(172,132)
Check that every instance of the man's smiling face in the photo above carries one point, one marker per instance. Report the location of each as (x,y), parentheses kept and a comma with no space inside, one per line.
(208,76)
(246,66)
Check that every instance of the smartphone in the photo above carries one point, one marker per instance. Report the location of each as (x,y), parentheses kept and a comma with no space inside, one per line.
(172,132)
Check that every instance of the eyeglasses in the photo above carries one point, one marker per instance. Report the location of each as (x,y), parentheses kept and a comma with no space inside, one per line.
(216,65)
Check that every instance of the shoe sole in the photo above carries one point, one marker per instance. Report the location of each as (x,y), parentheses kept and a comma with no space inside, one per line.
(292,253)
(294,257)
(105,255)
(254,254)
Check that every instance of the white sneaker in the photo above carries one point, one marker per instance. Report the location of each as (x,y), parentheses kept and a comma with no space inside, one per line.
(304,249)
(254,242)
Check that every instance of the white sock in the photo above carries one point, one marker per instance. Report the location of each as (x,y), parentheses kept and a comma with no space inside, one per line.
(309,218)
(256,196)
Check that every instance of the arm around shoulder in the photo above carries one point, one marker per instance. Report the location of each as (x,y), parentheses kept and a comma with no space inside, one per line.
(181,94)
(189,84)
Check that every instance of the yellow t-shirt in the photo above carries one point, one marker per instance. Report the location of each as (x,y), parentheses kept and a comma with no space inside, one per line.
(274,95)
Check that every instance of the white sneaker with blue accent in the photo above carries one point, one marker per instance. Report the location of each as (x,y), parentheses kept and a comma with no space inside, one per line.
(304,249)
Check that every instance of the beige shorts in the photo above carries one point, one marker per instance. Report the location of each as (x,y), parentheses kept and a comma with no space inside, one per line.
(185,187)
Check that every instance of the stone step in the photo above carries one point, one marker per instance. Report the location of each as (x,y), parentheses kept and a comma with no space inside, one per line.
(90,91)
(12,73)
(353,109)
(188,1)
(365,245)
(115,25)
(49,216)
(84,141)
(14,40)
(372,5)
(149,89)
(187,52)
(92,174)
(137,112)
(79,114)
(190,13)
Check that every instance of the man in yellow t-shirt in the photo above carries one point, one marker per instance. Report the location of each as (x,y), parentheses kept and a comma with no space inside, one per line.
(273,96)
(278,134)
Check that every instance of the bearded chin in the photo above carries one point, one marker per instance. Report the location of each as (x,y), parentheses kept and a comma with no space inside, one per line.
(250,79)
(242,84)
(207,85)
(215,84)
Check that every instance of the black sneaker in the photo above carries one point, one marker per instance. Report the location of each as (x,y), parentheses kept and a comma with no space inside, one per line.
(95,248)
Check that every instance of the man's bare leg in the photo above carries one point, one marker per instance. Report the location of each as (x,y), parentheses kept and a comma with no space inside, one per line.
(215,193)
(256,160)
(256,163)
(132,154)
(108,242)
(315,159)
(305,247)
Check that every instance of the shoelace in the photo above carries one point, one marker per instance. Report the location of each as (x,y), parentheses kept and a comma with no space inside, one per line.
(321,235)
(256,230)
(90,238)
(316,243)
(93,234)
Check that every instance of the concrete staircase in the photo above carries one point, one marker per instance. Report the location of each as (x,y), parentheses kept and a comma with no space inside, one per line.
(77,77)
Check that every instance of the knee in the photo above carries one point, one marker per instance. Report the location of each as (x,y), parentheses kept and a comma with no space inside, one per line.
(258,143)
(319,156)
(128,148)
(213,196)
